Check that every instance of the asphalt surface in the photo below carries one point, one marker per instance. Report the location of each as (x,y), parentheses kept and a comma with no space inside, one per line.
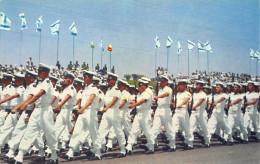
(218,153)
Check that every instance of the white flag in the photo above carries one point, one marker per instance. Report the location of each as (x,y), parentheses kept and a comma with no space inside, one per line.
(201,46)
(5,23)
(73,29)
(191,45)
(157,42)
(208,47)
(256,55)
(23,26)
(55,27)
(39,24)
(101,45)
(179,48)
(251,54)
(169,42)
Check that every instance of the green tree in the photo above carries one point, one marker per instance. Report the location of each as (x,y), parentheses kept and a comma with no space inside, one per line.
(127,77)
(135,76)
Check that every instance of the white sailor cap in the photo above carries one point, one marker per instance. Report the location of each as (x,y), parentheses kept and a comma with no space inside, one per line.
(132,86)
(230,84)
(142,82)
(78,81)
(163,77)
(7,76)
(250,82)
(190,86)
(256,84)
(237,84)
(96,79)
(88,73)
(18,76)
(111,75)
(146,79)
(182,81)
(243,84)
(42,67)
(206,86)
(121,82)
(220,83)
(53,78)
(69,75)
(199,82)
(103,85)
(30,74)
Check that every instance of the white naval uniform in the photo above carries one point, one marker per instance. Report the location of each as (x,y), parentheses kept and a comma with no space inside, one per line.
(181,118)
(125,113)
(21,126)
(163,117)
(142,122)
(63,121)
(87,121)
(251,113)
(41,119)
(111,118)
(217,117)
(235,116)
(199,115)
(11,119)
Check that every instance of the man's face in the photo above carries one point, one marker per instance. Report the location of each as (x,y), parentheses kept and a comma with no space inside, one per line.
(163,83)
(42,74)
(88,80)
(29,80)
(6,81)
(198,87)
(251,87)
(68,81)
(219,89)
(182,87)
(141,88)
(236,89)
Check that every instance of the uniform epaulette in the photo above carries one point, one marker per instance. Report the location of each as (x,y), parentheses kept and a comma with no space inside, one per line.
(47,81)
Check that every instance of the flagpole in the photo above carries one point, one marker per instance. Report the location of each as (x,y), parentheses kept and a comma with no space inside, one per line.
(58,47)
(188,63)
(256,66)
(167,58)
(198,60)
(155,61)
(208,61)
(101,58)
(178,63)
(73,48)
(249,66)
(21,39)
(92,57)
(110,61)
(40,46)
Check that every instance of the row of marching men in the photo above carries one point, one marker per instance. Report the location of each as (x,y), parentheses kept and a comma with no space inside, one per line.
(27,115)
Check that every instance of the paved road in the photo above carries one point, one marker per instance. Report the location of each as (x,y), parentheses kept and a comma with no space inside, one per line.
(217,153)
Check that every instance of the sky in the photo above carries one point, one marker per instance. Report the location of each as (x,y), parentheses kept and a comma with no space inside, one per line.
(231,27)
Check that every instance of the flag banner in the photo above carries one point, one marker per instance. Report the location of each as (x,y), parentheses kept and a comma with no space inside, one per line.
(201,46)
(5,23)
(256,55)
(39,24)
(252,54)
(73,29)
(157,42)
(208,47)
(23,26)
(169,42)
(191,45)
(101,45)
(179,48)
(55,27)
(109,48)
(92,44)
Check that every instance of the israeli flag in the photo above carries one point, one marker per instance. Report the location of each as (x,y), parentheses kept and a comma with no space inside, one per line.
(55,27)
(101,45)
(5,23)
(201,46)
(251,54)
(258,54)
(208,47)
(39,23)
(157,42)
(169,42)
(23,26)
(179,48)
(73,29)
(191,45)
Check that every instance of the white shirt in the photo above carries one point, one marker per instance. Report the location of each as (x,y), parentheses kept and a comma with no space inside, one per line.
(196,99)
(69,90)
(220,106)
(89,90)
(30,90)
(125,96)
(250,96)
(101,103)
(46,98)
(18,100)
(181,96)
(111,93)
(8,90)
(144,107)
(236,107)
(165,101)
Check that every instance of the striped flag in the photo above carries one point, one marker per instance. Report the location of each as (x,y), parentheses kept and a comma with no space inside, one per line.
(157,42)
(169,42)
(256,55)
(101,45)
(55,27)
(92,44)
(23,26)
(109,48)
(73,29)
(190,45)
(201,46)
(39,24)
(208,47)
(5,23)
(251,54)
(179,48)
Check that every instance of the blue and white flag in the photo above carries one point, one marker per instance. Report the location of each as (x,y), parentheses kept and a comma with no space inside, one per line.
(208,47)
(23,26)
(256,55)
(73,29)
(201,46)
(179,48)
(252,54)
(157,42)
(101,45)
(5,23)
(55,27)
(191,45)
(169,42)
(39,23)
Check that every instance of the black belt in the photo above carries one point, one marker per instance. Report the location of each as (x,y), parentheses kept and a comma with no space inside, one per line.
(28,111)
(8,110)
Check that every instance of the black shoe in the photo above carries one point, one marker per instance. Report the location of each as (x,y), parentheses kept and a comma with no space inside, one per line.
(149,152)
(77,153)
(207,146)
(96,158)
(51,161)
(9,160)
(39,159)
(257,140)
(108,149)
(90,154)
(171,149)
(244,142)
(16,162)
(166,148)
(121,155)
(68,158)
(144,147)
(188,147)
(129,152)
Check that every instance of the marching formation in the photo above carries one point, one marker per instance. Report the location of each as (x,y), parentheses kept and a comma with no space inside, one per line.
(74,109)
